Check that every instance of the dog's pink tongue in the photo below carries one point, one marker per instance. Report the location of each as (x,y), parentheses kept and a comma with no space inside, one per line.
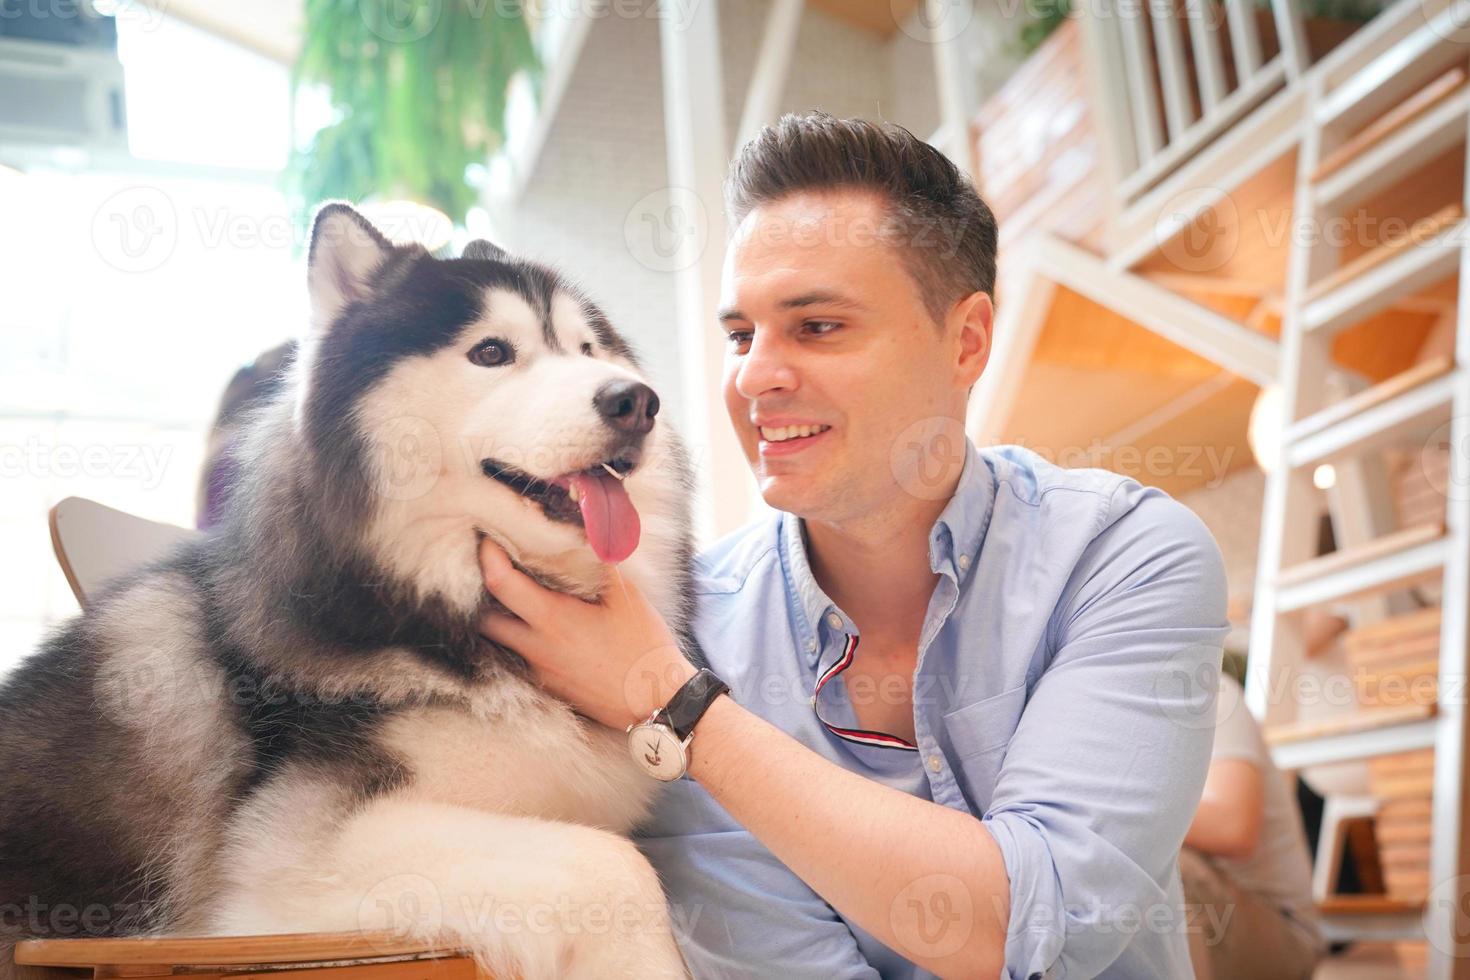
(610,517)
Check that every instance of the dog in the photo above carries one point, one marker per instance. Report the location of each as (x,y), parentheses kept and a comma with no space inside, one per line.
(291,724)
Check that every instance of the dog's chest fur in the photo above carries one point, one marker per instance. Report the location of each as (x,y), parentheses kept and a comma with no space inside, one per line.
(534,757)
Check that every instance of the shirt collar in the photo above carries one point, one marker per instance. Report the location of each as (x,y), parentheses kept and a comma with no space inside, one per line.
(955,539)
(954,548)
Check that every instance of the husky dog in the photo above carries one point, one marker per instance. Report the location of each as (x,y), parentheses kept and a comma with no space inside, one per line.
(292,724)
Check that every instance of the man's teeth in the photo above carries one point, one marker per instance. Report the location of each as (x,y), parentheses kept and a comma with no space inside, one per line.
(783,432)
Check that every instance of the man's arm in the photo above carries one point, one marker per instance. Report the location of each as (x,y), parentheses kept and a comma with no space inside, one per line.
(1105,770)
(1231,811)
(925,880)
(737,912)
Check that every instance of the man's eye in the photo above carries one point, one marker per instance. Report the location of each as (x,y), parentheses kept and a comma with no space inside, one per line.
(738,338)
(820,327)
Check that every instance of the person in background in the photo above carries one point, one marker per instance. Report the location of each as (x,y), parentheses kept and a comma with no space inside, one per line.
(1247,874)
(250,386)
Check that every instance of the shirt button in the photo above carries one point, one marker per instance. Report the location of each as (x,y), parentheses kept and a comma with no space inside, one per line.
(834,621)
(935,764)
(811,645)
(964,561)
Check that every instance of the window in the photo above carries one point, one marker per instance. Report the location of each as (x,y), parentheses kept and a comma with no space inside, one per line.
(132,291)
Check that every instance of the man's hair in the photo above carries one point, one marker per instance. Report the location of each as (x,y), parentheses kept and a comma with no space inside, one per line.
(936,219)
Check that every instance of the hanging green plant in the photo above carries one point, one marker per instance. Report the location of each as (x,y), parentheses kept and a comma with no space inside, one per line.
(1046,18)
(418,90)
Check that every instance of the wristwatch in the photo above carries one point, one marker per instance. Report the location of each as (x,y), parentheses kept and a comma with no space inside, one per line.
(660,745)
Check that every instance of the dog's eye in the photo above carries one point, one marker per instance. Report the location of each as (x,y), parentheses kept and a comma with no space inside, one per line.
(492,353)
(587,348)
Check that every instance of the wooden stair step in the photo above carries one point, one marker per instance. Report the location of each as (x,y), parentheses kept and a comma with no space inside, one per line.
(1395,628)
(1392,121)
(1419,232)
(1427,254)
(1384,391)
(1360,555)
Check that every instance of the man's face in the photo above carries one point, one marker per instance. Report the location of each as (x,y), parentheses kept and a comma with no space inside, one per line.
(828,334)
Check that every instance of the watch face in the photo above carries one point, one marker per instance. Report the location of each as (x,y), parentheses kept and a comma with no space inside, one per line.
(657,750)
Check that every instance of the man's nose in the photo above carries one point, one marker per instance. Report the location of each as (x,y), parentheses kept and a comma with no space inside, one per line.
(765,367)
(627,406)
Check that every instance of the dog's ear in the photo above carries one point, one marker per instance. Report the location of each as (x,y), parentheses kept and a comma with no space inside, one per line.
(481,249)
(345,250)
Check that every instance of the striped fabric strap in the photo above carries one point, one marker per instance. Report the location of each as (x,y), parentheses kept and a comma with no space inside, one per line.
(859,735)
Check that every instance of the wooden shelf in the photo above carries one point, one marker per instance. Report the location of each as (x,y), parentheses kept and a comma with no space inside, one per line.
(1339,905)
(1366,720)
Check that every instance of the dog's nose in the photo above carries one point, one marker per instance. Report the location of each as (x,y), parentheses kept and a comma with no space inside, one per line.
(628,406)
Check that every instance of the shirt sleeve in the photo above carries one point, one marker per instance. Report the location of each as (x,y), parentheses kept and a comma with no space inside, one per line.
(1106,767)
(736,910)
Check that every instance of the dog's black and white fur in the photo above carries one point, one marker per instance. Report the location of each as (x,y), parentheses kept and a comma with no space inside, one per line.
(292,724)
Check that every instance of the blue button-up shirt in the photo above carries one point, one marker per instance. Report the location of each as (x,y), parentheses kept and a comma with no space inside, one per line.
(1064,696)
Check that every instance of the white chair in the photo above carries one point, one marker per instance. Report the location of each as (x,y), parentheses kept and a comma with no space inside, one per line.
(94,542)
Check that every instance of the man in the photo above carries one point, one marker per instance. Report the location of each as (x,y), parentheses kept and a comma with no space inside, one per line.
(1247,874)
(971,693)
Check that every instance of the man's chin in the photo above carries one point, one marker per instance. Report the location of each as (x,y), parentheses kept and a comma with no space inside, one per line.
(800,495)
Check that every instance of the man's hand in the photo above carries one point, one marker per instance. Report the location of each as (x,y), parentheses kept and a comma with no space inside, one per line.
(615,660)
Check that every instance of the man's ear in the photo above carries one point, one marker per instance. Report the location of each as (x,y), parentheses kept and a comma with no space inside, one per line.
(976,316)
(345,251)
(481,249)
